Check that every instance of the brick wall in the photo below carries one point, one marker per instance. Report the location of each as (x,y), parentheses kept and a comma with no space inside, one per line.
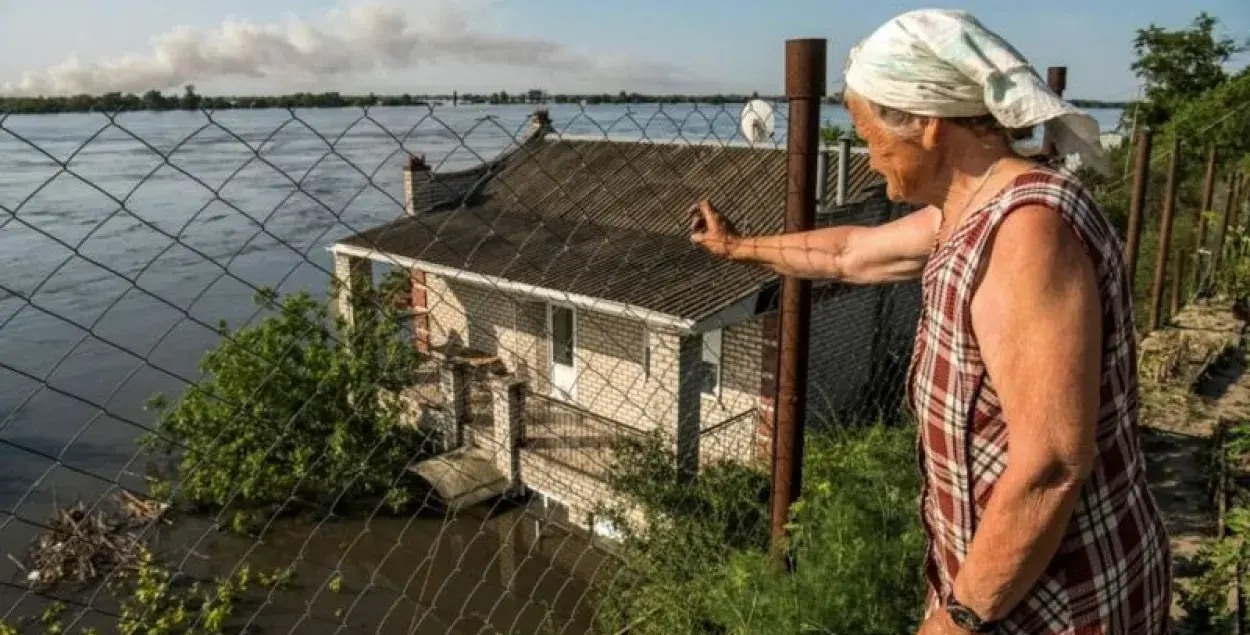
(612,380)
(508,325)
(577,492)
(742,348)
(420,305)
(451,303)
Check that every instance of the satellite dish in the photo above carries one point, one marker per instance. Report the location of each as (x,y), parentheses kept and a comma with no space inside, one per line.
(758,121)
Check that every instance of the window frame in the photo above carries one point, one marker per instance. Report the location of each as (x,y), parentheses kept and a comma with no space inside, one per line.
(715,359)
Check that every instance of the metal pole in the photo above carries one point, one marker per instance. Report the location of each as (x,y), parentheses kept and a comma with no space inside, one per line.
(1141,180)
(822,179)
(1057,79)
(1208,195)
(1165,237)
(805,86)
(1132,139)
(1178,286)
(1218,253)
(1208,200)
(1238,193)
(844,168)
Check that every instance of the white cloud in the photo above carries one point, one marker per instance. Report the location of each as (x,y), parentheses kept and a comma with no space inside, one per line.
(363,38)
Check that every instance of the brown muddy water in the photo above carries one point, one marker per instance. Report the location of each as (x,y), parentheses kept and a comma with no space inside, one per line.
(484,571)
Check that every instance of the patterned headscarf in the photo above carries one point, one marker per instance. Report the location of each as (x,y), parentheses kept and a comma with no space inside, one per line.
(944,63)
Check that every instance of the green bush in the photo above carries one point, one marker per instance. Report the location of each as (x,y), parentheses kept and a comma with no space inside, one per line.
(832,133)
(702,566)
(291,411)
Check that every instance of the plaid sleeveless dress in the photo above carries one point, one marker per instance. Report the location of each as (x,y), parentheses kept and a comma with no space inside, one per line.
(1112,573)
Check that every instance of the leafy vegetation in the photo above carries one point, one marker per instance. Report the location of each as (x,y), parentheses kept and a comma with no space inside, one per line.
(291,412)
(156,601)
(156,101)
(694,557)
(831,134)
(1233,279)
(1179,65)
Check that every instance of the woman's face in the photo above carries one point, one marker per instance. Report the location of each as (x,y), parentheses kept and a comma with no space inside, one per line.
(904,162)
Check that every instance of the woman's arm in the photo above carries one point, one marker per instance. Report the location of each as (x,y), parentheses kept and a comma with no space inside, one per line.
(892,252)
(1037,318)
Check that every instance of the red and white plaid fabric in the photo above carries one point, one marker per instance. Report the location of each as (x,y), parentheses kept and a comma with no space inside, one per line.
(1112,573)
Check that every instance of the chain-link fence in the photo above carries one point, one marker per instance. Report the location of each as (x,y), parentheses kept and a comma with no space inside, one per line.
(410,359)
(423,369)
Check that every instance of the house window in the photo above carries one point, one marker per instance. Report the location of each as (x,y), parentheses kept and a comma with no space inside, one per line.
(409,331)
(646,353)
(711,363)
(562,335)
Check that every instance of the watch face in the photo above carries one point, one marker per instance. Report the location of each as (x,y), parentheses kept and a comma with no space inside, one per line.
(963,617)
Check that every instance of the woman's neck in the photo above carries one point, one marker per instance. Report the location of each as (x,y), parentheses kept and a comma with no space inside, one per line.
(969,177)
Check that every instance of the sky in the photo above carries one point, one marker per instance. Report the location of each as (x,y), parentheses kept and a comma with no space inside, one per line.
(436,46)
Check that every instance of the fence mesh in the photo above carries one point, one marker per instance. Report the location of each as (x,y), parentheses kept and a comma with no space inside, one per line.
(419,365)
(409,358)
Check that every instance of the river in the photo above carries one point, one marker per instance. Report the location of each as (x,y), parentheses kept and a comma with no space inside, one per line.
(116,268)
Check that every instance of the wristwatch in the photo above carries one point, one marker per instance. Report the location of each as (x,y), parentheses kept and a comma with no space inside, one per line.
(966,618)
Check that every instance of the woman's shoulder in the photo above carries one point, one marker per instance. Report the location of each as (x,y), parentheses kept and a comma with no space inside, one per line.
(1044,186)
(1040,180)
(1063,192)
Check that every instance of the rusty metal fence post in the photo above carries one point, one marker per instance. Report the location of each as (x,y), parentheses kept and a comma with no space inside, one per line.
(805,87)
(1208,201)
(1057,79)
(1208,194)
(1165,237)
(1239,193)
(1141,180)
(1218,252)
(1178,284)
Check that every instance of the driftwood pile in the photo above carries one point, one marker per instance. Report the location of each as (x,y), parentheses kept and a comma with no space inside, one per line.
(82,543)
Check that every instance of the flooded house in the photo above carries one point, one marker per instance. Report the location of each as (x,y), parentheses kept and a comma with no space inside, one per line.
(562,306)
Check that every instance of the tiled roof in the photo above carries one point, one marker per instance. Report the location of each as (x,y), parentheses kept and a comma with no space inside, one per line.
(606,219)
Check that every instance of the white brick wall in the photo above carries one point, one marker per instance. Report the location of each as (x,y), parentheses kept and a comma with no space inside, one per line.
(580,493)
(611,380)
(741,349)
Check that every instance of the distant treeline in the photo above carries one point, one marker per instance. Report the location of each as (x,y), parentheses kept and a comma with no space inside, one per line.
(190,100)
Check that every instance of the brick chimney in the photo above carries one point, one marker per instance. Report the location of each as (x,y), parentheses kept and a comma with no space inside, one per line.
(417,298)
(415,168)
(542,122)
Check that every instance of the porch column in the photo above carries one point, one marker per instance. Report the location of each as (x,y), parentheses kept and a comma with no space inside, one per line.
(509,405)
(353,274)
(689,382)
(453,380)
(762,451)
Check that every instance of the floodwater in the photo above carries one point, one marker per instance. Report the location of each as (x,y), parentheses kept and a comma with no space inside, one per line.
(116,269)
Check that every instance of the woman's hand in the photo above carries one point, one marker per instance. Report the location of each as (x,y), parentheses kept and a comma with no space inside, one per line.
(712,231)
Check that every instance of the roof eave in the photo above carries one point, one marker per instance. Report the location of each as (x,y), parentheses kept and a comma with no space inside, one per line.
(652,318)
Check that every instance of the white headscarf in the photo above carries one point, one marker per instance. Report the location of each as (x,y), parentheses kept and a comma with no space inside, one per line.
(944,63)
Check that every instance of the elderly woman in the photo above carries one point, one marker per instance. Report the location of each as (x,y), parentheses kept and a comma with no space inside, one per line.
(1024,378)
